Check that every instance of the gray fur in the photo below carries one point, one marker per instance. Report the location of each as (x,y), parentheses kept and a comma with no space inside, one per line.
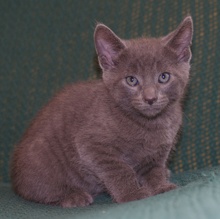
(105,135)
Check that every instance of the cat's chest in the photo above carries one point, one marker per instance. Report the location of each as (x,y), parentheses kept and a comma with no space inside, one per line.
(147,144)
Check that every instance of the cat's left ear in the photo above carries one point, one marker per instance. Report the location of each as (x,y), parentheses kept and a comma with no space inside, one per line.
(180,40)
(108,46)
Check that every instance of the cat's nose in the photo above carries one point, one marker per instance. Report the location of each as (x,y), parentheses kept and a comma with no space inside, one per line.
(150,95)
(151,100)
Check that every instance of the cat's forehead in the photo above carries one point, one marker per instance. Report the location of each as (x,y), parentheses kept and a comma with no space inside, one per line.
(145,46)
(145,53)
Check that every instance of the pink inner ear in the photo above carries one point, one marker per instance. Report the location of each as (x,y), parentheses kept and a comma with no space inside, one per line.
(106,49)
(180,40)
(105,62)
(106,54)
(185,55)
(108,46)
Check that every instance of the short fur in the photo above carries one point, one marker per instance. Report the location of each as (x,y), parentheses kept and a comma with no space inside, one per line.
(106,135)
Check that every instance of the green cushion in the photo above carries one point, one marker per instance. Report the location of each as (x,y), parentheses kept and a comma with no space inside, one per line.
(197,197)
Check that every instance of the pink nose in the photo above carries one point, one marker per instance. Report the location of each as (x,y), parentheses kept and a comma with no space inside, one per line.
(151,100)
(150,95)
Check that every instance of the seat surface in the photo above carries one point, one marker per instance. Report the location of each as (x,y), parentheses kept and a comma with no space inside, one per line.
(197,197)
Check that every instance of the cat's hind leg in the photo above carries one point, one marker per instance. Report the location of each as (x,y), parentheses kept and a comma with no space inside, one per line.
(44,192)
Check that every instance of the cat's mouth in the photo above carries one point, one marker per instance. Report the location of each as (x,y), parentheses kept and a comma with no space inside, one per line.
(150,110)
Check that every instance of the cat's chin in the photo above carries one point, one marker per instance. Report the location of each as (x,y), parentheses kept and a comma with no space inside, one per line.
(151,112)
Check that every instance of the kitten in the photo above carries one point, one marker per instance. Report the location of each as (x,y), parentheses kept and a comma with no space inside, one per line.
(112,135)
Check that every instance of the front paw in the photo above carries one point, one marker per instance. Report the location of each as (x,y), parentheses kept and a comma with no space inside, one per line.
(76,199)
(132,196)
(164,188)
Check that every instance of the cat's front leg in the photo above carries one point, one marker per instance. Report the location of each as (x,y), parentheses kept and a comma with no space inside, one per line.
(119,179)
(157,180)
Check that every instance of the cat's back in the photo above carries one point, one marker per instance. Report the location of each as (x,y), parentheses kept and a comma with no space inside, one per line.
(65,112)
(60,118)
(71,102)
(78,95)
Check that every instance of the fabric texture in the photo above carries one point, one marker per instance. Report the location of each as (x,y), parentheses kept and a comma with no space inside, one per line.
(197,197)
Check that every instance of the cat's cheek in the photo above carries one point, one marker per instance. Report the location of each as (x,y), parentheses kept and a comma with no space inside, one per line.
(121,95)
(174,92)
(109,79)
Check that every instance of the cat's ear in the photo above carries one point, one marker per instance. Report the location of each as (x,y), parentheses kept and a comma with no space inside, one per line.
(108,46)
(180,40)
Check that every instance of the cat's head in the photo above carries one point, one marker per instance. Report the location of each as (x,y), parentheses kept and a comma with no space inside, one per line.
(145,74)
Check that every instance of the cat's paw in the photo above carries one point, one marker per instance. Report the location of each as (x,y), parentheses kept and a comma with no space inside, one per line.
(76,199)
(137,195)
(164,188)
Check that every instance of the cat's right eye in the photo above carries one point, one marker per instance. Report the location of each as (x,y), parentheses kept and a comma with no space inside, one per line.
(132,81)
(164,77)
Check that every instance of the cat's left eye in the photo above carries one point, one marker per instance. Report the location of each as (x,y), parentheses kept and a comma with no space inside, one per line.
(132,81)
(164,77)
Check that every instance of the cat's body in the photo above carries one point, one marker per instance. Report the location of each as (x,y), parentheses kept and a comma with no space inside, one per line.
(112,135)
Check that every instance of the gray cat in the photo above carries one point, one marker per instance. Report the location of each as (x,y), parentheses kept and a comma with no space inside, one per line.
(112,135)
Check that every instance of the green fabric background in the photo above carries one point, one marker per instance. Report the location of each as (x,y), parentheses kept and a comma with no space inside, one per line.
(46,44)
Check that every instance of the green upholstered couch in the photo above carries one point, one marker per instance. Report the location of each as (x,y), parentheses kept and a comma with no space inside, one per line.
(46,44)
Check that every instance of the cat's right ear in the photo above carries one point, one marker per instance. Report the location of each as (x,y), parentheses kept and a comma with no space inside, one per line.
(108,46)
(180,40)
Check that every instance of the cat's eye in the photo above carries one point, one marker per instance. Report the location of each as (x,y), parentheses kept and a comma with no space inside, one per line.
(132,81)
(164,77)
